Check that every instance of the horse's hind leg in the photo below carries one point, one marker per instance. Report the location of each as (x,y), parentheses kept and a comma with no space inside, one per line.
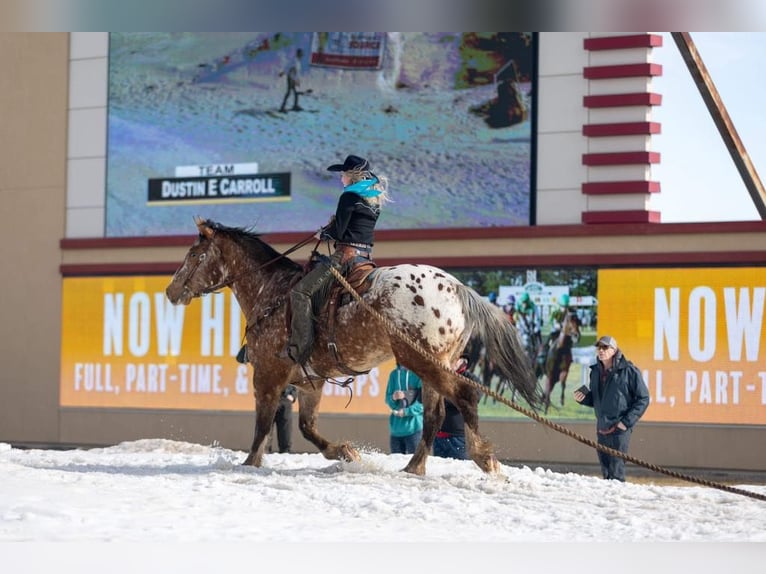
(307,423)
(479,449)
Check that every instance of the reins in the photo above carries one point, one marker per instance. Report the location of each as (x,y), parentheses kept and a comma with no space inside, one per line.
(529,413)
(229,280)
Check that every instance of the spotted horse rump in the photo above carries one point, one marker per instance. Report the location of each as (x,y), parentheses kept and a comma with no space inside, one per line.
(418,314)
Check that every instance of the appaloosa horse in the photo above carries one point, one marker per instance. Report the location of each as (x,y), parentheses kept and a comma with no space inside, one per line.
(558,358)
(427,306)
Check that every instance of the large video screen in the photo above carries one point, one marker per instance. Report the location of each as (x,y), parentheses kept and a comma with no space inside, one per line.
(696,334)
(241,127)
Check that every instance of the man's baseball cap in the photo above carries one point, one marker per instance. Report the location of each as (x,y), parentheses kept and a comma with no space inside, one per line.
(607,341)
(351,162)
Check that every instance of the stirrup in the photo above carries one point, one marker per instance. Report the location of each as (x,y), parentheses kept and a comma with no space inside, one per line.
(242,355)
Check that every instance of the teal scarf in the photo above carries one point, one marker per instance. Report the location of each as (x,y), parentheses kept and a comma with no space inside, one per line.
(364,188)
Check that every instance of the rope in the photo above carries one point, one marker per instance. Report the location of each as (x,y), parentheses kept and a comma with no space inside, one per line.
(531,414)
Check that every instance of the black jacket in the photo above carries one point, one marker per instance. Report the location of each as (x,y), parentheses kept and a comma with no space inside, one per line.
(354,221)
(624,395)
(453,421)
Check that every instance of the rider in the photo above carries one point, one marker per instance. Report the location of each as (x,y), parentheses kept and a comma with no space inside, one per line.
(558,314)
(510,309)
(352,230)
(526,315)
(557,318)
(527,319)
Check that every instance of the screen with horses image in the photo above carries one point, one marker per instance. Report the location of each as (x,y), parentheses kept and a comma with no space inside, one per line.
(240,127)
(696,335)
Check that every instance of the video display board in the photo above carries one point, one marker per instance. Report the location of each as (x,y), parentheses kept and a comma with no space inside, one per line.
(696,335)
(207,124)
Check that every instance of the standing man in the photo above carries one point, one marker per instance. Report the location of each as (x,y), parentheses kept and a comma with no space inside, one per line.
(403,396)
(619,396)
(293,73)
(283,420)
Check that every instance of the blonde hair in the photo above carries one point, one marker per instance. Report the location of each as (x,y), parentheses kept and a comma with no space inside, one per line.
(355,175)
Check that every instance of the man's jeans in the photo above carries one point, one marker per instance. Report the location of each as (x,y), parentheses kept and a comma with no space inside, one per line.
(450,447)
(405,444)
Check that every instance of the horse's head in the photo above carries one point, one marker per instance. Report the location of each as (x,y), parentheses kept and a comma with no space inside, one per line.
(201,271)
(571,326)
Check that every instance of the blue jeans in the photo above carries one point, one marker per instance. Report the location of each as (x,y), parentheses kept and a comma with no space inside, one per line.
(405,444)
(450,447)
(613,467)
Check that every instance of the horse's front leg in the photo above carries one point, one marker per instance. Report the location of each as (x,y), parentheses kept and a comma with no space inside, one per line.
(433,416)
(308,407)
(267,400)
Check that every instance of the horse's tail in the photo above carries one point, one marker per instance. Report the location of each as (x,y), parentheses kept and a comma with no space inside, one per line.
(503,344)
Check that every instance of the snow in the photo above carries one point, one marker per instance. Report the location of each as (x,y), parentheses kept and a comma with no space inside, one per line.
(161,491)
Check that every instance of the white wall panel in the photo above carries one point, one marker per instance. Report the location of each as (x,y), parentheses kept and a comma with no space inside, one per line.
(87,133)
(559,161)
(88,45)
(561,206)
(559,108)
(562,53)
(86,182)
(618,86)
(639,201)
(88,83)
(613,144)
(619,173)
(85,222)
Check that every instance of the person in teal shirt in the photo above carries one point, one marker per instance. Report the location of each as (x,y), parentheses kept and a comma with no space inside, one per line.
(403,396)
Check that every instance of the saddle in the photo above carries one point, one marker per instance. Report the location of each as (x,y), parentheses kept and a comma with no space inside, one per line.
(359,279)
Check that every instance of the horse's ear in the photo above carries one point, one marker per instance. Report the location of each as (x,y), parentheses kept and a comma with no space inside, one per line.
(204,228)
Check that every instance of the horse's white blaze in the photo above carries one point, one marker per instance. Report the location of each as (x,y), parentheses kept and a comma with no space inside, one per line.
(428,297)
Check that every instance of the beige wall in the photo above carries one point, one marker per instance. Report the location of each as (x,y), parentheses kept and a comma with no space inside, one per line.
(33,152)
(34,135)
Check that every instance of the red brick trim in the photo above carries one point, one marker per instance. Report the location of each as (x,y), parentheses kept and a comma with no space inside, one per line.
(627,216)
(621,129)
(618,100)
(526,231)
(596,259)
(644,69)
(621,158)
(623,42)
(609,187)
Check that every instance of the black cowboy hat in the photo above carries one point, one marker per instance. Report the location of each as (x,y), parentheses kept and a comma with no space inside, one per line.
(351,162)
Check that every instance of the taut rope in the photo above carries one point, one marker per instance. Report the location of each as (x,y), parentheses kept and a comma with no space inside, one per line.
(531,414)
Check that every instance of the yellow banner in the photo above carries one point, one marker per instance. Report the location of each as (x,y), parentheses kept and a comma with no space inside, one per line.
(697,335)
(125,345)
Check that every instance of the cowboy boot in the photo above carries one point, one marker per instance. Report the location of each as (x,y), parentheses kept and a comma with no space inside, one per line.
(301,341)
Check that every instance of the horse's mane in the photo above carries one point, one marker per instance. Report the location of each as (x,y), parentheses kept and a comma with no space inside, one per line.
(254,245)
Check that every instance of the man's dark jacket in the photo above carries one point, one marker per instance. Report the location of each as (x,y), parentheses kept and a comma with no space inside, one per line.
(623,396)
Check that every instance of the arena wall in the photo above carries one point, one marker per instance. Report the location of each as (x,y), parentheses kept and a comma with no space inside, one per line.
(52,192)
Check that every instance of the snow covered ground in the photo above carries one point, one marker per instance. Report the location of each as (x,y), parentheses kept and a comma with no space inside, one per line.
(161,493)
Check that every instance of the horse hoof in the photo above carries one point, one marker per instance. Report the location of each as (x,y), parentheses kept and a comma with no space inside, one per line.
(489,465)
(250,461)
(349,453)
(416,470)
